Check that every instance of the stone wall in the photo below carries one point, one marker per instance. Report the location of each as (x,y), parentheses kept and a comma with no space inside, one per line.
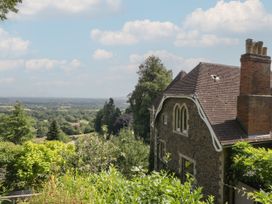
(197,146)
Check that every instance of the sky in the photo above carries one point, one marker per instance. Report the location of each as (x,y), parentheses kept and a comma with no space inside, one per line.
(93,48)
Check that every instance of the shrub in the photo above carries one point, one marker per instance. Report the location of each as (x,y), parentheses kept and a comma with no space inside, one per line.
(111,187)
(8,152)
(132,152)
(252,165)
(94,154)
(261,196)
(36,162)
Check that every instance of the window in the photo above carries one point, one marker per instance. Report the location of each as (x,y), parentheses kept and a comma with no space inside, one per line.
(180,118)
(164,119)
(186,166)
(161,149)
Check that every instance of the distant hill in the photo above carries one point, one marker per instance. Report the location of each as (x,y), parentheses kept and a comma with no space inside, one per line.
(57,102)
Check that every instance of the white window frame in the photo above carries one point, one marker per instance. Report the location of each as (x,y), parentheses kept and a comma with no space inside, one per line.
(179,120)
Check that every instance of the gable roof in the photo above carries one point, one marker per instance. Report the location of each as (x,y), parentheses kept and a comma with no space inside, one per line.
(216,87)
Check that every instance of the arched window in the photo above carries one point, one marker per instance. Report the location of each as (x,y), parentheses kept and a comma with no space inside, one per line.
(180,119)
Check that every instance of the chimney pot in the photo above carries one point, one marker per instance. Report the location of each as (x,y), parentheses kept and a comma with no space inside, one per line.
(249,43)
(264,51)
(260,47)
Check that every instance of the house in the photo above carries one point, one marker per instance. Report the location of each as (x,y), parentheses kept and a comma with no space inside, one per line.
(200,115)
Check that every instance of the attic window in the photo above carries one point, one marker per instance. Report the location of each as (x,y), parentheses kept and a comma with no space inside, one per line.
(215,77)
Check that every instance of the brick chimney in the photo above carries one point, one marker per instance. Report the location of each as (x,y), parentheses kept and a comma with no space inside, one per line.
(254,104)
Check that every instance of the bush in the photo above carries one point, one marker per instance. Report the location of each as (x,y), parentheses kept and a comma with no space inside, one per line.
(94,154)
(111,187)
(261,196)
(8,152)
(252,165)
(132,152)
(36,162)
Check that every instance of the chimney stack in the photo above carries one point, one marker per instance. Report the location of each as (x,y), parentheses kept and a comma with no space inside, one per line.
(254,104)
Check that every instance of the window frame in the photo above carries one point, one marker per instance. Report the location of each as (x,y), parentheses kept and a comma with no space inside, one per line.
(181,171)
(161,150)
(180,119)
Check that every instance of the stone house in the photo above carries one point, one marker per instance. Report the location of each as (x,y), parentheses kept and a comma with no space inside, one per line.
(200,115)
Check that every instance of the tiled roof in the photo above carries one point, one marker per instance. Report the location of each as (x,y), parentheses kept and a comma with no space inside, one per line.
(217,88)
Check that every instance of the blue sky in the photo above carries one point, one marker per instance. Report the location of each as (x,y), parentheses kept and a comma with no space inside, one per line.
(92,48)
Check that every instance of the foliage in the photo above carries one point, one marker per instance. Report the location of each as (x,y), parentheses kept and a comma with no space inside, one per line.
(132,152)
(94,154)
(6,6)
(16,127)
(42,128)
(8,153)
(107,116)
(55,133)
(153,79)
(123,121)
(111,187)
(252,165)
(261,196)
(34,163)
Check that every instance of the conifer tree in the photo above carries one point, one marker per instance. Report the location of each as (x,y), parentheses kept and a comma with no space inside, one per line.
(18,126)
(54,132)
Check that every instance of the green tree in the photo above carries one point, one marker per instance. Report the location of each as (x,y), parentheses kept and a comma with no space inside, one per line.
(6,6)
(153,79)
(18,126)
(107,116)
(54,132)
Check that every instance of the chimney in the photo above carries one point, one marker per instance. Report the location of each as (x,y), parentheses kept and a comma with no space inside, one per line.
(254,103)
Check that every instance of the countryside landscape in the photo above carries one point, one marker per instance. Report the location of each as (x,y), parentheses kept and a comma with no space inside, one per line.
(118,102)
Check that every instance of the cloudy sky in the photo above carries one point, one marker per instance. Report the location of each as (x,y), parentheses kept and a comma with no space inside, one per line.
(92,48)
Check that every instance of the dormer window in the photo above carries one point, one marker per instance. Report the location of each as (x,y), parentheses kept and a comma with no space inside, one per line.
(180,119)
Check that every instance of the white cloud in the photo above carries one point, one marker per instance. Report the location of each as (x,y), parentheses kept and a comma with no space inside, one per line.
(49,64)
(71,66)
(195,39)
(39,64)
(170,60)
(134,31)
(8,80)
(100,54)
(34,7)
(12,45)
(114,4)
(42,64)
(234,16)
(10,64)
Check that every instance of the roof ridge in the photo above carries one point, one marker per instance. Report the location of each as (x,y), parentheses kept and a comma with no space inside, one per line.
(218,64)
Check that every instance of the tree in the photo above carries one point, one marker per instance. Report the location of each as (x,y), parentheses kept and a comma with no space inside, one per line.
(17,127)
(54,132)
(107,116)
(153,79)
(6,6)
